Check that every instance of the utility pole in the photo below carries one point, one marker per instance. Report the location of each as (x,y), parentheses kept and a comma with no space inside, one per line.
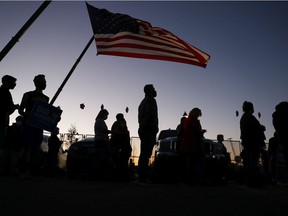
(71,71)
(25,27)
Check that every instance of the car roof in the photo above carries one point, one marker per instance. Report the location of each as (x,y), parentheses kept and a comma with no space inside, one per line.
(208,140)
(167,133)
(88,139)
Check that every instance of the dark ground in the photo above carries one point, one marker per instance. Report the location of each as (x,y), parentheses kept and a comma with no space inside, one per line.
(63,196)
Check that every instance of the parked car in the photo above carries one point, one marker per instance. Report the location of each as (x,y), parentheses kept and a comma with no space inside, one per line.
(216,162)
(166,163)
(80,158)
(81,162)
(165,157)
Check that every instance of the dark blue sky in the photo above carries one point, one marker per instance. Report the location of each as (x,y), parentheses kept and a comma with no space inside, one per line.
(247,42)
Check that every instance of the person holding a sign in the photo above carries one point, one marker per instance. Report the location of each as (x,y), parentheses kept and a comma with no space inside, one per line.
(32,136)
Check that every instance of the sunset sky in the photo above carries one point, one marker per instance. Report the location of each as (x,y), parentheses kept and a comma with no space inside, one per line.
(247,42)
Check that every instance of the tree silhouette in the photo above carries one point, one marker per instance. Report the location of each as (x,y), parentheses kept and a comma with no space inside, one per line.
(72,132)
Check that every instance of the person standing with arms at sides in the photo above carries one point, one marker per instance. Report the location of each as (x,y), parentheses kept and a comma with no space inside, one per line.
(252,136)
(7,107)
(180,129)
(182,159)
(120,147)
(102,159)
(14,146)
(54,144)
(222,163)
(32,136)
(191,148)
(148,129)
(280,124)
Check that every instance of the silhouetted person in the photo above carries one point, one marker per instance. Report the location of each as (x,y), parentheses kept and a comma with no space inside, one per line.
(277,163)
(191,148)
(264,157)
(54,145)
(180,129)
(120,147)
(253,137)
(220,147)
(148,129)
(14,145)
(280,123)
(32,136)
(7,107)
(102,157)
(182,159)
(223,160)
(272,154)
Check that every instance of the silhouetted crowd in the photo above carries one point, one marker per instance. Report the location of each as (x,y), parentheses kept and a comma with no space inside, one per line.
(260,164)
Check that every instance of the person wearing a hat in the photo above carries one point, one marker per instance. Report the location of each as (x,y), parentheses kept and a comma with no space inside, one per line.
(7,107)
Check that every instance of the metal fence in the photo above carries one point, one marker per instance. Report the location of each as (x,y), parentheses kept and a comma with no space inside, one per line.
(233,146)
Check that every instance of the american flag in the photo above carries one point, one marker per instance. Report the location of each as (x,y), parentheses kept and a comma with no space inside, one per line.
(121,35)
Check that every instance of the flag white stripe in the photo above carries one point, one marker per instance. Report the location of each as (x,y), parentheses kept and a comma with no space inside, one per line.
(142,38)
(103,44)
(114,41)
(145,51)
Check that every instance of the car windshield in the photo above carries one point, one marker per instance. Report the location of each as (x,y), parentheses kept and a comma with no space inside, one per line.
(167,133)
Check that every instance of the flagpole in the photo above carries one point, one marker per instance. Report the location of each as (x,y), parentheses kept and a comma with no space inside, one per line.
(25,27)
(71,70)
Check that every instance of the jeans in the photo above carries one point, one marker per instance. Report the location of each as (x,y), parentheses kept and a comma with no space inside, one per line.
(148,140)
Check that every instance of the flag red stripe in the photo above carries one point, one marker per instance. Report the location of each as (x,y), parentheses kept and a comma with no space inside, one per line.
(140,38)
(152,45)
(141,47)
(155,57)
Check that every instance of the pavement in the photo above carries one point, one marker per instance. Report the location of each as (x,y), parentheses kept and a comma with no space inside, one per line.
(53,196)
